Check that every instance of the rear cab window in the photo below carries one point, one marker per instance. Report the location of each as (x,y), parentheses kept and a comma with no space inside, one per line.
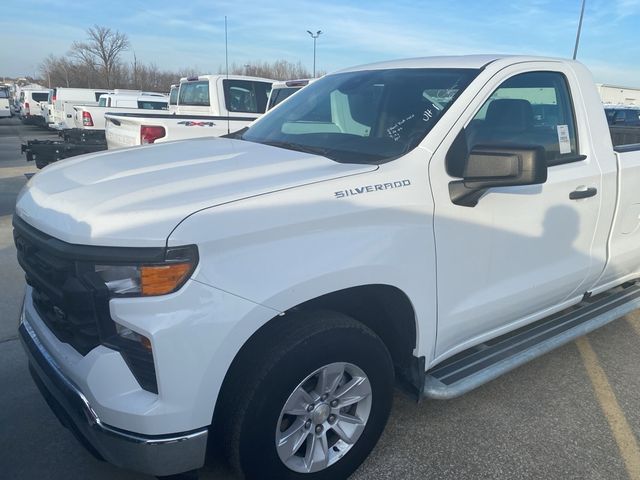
(529,109)
(40,96)
(246,96)
(280,94)
(195,94)
(147,105)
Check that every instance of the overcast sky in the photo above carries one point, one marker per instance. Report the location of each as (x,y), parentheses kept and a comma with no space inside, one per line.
(190,33)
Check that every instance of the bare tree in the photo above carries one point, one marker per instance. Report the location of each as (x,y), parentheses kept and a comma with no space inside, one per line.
(101,51)
(95,63)
(60,71)
(278,70)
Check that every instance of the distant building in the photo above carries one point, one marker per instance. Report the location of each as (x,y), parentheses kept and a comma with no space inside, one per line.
(617,95)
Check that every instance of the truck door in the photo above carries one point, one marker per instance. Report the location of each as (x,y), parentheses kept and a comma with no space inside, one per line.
(521,251)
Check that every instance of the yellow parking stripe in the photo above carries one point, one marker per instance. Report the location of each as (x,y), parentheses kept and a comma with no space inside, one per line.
(622,433)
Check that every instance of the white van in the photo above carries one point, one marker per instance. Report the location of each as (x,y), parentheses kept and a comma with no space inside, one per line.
(30,108)
(64,99)
(5,110)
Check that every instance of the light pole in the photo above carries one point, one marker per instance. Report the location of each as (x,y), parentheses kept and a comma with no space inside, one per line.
(315,37)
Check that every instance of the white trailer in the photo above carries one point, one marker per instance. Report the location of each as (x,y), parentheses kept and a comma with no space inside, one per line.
(617,95)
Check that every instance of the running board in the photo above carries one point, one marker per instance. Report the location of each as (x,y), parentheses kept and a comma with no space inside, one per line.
(485,362)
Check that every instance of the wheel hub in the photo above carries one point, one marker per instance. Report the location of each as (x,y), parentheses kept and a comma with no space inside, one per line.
(321,413)
(323,417)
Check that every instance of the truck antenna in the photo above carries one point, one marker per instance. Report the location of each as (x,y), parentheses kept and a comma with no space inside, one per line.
(575,49)
(226,59)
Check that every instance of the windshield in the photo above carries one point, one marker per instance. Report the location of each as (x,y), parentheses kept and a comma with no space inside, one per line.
(362,117)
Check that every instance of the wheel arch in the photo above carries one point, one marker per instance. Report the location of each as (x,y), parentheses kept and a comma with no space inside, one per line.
(385,309)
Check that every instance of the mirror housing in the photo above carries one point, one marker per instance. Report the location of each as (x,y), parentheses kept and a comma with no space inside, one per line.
(500,166)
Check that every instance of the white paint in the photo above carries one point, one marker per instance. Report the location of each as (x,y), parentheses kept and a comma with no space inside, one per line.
(272,233)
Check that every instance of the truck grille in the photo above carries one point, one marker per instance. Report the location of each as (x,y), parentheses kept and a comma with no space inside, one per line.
(64,303)
(71,298)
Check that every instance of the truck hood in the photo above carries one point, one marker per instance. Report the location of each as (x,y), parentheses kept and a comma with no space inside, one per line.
(135,197)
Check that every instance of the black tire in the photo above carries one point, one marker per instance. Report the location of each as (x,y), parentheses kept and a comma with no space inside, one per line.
(258,387)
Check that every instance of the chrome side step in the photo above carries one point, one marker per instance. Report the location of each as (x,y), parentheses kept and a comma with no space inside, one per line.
(483,363)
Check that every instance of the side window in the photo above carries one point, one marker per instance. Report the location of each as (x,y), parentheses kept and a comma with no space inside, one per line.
(195,94)
(246,96)
(173,96)
(532,109)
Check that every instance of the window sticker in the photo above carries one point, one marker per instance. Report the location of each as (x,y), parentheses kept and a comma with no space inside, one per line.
(563,139)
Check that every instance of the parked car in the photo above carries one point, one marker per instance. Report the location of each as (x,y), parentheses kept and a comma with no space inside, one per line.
(30,106)
(208,105)
(624,116)
(64,99)
(387,221)
(282,90)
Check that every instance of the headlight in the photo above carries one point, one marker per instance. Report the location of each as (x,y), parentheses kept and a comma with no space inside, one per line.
(150,280)
(120,280)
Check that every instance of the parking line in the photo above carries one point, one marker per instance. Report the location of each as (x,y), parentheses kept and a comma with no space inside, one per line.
(622,433)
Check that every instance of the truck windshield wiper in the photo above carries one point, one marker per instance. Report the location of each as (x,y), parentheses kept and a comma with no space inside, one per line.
(325,152)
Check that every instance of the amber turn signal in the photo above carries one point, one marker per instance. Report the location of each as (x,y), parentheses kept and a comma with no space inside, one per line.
(163,279)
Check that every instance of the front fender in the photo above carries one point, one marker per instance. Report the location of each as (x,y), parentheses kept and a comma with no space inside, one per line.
(284,248)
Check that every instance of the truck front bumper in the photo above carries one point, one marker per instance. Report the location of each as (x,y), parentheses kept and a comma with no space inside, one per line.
(151,454)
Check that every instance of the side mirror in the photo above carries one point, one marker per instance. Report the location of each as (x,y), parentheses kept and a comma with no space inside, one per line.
(488,167)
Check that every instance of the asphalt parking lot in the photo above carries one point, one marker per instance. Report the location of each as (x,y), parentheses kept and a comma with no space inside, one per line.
(572,414)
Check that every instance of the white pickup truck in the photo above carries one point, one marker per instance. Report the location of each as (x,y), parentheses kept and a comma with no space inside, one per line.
(439,220)
(207,106)
(92,117)
(65,99)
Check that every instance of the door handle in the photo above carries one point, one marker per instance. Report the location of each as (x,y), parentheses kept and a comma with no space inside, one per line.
(578,194)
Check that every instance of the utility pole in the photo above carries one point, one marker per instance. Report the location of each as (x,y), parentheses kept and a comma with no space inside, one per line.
(575,49)
(315,37)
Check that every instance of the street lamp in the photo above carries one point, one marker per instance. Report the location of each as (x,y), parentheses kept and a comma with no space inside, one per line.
(315,37)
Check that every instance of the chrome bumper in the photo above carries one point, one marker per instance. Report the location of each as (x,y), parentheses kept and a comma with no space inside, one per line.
(150,454)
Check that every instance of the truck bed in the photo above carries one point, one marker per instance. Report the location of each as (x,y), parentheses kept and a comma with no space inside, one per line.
(123,129)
